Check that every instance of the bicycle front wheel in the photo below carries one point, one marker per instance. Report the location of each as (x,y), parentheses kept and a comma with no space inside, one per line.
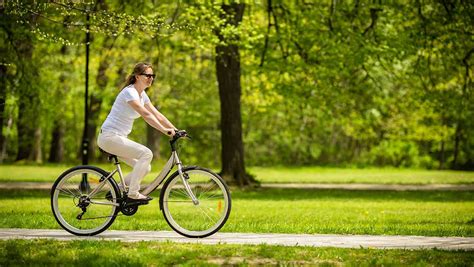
(76,209)
(196,219)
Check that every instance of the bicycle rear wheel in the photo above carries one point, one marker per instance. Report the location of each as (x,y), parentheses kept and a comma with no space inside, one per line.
(196,220)
(79,213)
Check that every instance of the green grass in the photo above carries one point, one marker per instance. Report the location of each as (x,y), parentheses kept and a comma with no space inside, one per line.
(368,175)
(49,173)
(114,253)
(441,213)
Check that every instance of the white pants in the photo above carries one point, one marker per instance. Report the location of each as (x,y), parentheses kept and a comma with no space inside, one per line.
(132,153)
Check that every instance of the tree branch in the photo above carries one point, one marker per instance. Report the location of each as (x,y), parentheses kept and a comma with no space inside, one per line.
(448,7)
(467,78)
(373,16)
(465,61)
(175,13)
(277,28)
(332,9)
(265,47)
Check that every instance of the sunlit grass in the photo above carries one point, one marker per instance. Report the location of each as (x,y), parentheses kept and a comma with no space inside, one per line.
(49,173)
(367,175)
(114,253)
(290,211)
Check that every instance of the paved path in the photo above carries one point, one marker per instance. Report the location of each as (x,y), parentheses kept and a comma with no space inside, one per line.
(395,187)
(340,241)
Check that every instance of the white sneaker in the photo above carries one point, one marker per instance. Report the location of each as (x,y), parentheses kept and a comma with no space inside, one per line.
(139,196)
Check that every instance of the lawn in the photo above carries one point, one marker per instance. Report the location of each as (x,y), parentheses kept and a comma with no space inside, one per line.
(441,213)
(49,173)
(114,253)
(366,175)
(264,210)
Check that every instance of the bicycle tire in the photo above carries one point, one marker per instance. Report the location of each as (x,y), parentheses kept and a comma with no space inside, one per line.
(209,204)
(61,212)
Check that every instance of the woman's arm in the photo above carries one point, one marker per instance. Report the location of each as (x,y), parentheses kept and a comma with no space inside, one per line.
(151,119)
(160,117)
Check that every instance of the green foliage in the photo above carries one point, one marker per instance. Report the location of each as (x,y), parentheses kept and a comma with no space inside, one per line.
(347,83)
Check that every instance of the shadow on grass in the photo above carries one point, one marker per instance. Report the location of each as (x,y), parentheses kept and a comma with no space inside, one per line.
(302,194)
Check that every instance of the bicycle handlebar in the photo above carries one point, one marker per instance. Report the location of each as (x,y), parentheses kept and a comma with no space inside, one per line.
(178,134)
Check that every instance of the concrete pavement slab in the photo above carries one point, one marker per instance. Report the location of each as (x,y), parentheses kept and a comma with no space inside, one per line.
(326,240)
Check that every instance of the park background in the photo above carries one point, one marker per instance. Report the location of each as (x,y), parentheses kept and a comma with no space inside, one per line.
(322,83)
(304,91)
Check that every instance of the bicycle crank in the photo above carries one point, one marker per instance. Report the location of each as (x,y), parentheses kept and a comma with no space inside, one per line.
(129,210)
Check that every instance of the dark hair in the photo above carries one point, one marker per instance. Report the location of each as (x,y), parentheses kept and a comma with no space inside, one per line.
(137,70)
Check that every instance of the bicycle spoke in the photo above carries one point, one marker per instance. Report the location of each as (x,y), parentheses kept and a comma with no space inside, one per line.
(204,212)
(212,207)
(73,186)
(212,186)
(214,196)
(69,194)
(181,192)
(77,213)
(75,195)
(200,220)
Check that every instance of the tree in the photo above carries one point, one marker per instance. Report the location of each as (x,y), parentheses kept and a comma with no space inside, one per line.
(299,82)
(228,77)
(29,133)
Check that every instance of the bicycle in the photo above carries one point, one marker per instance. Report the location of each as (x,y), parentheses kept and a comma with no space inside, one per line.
(195,202)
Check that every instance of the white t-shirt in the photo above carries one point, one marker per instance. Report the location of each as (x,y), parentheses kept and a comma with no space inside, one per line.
(121,116)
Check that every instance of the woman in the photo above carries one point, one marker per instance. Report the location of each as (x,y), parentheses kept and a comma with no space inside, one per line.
(131,103)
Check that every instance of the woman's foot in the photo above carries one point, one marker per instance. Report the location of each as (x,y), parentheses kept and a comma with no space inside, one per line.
(139,197)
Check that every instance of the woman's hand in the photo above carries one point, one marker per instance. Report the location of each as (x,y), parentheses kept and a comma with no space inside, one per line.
(170,132)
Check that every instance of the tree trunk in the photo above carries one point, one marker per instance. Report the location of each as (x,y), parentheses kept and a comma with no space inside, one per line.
(56,152)
(457,140)
(28,98)
(228,77)
(95,104)
(27,131)
(3,145)
(3,98)
(3,91)
(37,149)
(441,156)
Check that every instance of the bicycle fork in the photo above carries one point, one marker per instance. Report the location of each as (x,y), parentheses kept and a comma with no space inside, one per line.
(185,178)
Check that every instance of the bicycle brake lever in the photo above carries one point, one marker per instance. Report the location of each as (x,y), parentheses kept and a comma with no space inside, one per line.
(183,133)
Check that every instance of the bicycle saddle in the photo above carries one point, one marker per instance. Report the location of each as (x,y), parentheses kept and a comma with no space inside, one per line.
(109,155)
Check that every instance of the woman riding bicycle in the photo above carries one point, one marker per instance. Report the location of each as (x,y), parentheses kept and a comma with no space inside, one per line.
(131,103)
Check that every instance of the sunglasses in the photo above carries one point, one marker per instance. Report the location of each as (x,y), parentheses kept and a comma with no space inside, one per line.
(149,75)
